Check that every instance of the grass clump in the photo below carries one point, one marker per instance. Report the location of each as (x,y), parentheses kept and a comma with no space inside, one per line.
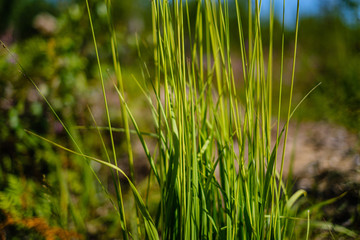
(203,127)
(216,161)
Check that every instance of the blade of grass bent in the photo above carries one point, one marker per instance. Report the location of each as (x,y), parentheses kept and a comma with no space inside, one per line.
(119,193)
(149,225)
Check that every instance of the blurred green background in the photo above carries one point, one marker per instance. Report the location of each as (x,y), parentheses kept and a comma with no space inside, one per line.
(52,42)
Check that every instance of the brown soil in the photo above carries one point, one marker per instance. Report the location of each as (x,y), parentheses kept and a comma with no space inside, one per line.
(320,147)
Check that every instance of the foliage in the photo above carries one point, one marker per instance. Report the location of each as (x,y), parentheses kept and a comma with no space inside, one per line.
(331,57)
(59,63)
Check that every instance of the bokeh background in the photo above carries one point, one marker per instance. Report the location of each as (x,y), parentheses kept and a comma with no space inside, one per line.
(44,190)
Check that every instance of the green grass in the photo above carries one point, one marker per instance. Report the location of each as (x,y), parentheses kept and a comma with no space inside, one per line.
(215,163)
(203,126)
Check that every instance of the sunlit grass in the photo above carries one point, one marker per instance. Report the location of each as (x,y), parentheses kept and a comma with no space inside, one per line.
(215,164)
(203,128)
